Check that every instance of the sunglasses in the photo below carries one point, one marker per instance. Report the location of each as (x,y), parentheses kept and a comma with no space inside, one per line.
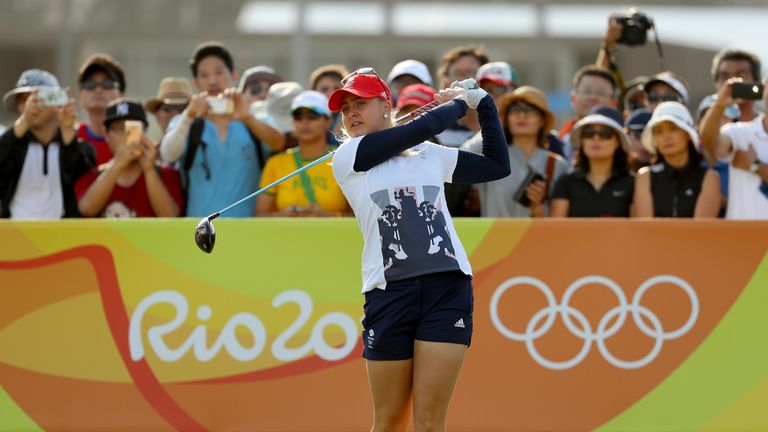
(307,115)
(655,97)
(602,133)
(523,108)
(104,85)
(366,71)
(256,88)
(171,108)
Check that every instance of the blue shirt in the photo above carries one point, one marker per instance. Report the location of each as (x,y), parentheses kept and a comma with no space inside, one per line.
(233,167)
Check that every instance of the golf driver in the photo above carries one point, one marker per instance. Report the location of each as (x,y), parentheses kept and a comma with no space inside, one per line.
(205,235)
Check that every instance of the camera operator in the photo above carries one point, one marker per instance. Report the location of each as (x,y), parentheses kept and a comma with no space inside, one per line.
(40,156)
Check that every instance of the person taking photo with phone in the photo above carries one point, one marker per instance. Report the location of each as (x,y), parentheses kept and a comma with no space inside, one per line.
(40,156)
(132,183)
(744,145)
(221,146)
(416,274)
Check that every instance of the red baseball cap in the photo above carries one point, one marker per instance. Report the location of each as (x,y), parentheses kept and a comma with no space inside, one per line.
(366,86)
(416,94)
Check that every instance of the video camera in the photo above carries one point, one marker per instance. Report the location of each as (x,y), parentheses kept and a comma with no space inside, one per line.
(635,26)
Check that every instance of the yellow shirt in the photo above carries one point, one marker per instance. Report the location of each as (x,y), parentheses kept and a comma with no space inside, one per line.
(291,192)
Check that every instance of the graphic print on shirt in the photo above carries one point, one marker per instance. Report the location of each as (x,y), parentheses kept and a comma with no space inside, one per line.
(413,231)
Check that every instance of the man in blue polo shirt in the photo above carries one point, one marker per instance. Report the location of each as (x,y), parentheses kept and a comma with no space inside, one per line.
(221,147)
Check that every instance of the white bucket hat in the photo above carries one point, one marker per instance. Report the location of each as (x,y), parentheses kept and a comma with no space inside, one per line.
(674,112)
(410,67)
(608,117)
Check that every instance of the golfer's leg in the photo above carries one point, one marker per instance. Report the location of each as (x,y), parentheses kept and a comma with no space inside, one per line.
(391,382)
(436,366)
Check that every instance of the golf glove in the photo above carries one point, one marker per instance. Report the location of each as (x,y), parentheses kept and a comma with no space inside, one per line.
(473,94)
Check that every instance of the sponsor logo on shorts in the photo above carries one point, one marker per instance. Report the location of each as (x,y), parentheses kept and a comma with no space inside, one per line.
(459,323)
(370,338)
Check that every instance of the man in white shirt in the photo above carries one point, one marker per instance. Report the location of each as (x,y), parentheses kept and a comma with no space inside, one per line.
(40,156)
(745,144)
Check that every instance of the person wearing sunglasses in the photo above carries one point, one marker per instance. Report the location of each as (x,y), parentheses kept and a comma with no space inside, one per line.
(315,192)
(327,79)
(416,274)
(101,80)
(666,87)
(172,98)
(678,184)
(526,121)
(601,185)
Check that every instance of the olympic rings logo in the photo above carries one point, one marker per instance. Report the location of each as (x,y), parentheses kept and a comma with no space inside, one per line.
(582,328)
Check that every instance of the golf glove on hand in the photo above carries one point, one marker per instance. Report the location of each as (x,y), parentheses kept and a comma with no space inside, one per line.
(473,94)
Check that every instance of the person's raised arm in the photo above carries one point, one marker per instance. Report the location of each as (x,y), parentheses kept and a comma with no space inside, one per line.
(172,145)
(268,134)
(493,163)
(716,145)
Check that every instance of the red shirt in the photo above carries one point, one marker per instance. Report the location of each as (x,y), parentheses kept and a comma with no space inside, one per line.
(99,143)
(133,201)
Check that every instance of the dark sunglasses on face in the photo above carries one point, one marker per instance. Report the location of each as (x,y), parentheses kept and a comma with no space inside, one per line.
(669,97)
(172,108)
(602,133)
(309,115)
(104,84)
(523,108)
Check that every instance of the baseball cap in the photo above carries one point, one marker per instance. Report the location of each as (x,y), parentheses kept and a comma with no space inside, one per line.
(28,81)
(262,72)
(416,94)
(500,73)
(311,100)
(671,80)
(674,112)
(410,67)
(103,63)
(123,108)
(362,85)
(638,119)
(172,91)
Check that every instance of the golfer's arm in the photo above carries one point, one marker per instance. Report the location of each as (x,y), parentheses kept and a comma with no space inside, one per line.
(493,164)
(380,146)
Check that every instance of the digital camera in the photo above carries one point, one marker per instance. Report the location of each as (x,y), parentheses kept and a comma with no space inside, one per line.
(52,96)
(635,26)
(220,105)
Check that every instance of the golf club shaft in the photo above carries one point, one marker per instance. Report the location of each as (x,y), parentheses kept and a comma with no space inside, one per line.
(273,184)
(417,112)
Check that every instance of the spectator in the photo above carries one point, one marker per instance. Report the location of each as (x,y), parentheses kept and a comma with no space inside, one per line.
(498,79)
(733,63)
(635,97)
(745,144)
(413,97)
(133,183)
(221,151)
(460,63)
(315,191)
(276,108)
(172,99)
(634,125)
(255,83)
(601,185)
(678,185)
(405,73)
(40,156)
(101,80)
(525,118)
(327,79)
(666,87)
(592,86)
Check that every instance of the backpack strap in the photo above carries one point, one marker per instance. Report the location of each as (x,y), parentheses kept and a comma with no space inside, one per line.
(195,140)
(551,158)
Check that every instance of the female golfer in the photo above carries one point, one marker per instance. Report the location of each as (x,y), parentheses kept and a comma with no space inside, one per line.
(416,276)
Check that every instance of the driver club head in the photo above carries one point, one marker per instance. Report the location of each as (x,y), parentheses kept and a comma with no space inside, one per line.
(205,236)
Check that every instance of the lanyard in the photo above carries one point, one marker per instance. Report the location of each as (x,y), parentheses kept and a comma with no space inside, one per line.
(307,185)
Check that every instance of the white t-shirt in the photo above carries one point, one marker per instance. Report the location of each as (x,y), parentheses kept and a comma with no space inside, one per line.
(38,194)
(400,207)
(745,200)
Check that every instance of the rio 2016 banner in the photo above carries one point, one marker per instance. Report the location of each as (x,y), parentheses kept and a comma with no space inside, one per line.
(579,325)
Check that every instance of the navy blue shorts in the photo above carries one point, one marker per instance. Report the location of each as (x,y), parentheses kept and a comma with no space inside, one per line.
(434,308)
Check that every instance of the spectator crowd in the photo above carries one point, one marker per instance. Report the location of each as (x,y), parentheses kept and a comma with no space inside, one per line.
(639,148)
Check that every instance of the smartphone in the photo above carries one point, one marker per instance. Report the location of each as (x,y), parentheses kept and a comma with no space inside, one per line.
(133,131)
(52,96)
(220,106)
(520,195)
(747,90)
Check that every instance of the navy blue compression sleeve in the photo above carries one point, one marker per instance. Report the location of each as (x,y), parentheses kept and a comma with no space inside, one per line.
(379,146)
(493,164)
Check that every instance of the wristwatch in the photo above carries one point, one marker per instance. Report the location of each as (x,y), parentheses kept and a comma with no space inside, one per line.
(754,167)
